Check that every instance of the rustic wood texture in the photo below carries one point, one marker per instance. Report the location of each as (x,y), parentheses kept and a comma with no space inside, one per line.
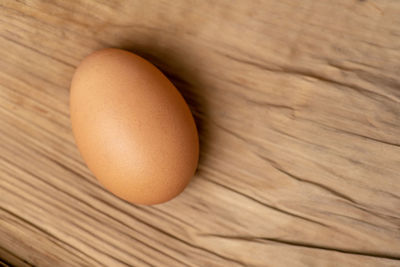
(298,109)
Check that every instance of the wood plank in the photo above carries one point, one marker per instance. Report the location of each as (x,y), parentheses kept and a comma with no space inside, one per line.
(298,109)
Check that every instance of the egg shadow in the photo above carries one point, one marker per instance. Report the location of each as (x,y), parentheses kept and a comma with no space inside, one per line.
(188,82)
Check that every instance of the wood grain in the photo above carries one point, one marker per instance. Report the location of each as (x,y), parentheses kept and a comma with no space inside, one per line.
(298,109)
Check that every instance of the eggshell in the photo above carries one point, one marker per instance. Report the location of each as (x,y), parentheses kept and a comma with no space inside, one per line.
(133,128)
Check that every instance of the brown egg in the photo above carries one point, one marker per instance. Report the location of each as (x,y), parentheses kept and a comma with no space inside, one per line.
(132,127)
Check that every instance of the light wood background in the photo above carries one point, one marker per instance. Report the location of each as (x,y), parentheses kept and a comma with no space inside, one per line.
(298,109)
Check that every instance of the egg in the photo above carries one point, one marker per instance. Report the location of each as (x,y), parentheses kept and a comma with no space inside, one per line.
(132,127)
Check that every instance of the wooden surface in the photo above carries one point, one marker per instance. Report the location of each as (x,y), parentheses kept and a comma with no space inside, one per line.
(298,109)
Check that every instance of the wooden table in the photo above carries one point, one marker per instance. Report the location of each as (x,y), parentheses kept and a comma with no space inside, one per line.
(298,109)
